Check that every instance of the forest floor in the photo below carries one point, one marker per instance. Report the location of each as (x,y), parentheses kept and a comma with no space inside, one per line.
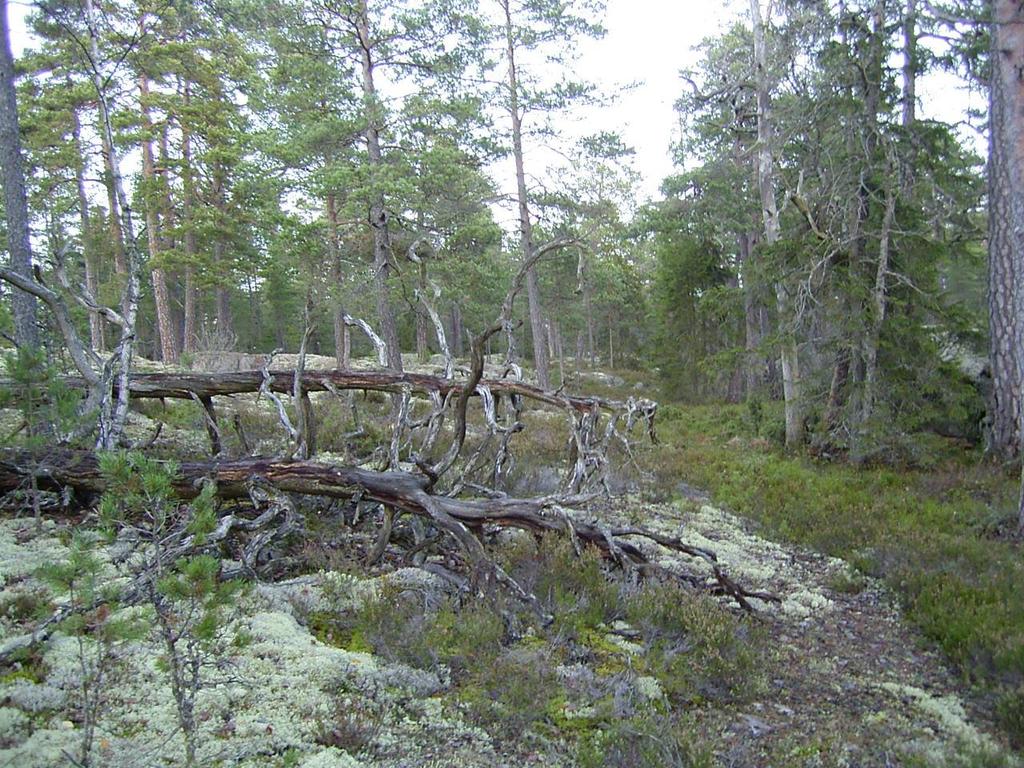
(340,668)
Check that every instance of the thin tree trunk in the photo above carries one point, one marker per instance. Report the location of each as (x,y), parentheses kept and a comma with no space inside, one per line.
(113,414)
(378,211)
(422,321)
(879,298)
(540,350)
(92,283)
(190,332)
(12,173)
(456,329)
(225,320)
(770,214)
(556,336)
(909,115)
(161,296)
(168,230)
(589,312)
(116,228)
(342,339)
(754,368)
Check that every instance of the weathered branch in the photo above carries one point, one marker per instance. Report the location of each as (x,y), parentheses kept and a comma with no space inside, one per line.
(377,341)
(85,360)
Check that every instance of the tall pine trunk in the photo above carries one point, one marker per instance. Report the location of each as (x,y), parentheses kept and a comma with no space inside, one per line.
(190,330)
(754,368)
(225,319)
(1006,224)
(161,295)
(26,329)
(92,282)
(342,339)
(1006,227)
(540,342)
(378,211)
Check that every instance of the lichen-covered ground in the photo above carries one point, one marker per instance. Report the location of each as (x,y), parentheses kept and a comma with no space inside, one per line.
(843,681)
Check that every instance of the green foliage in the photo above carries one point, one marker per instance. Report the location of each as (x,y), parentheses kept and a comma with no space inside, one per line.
(180,582)
(696,650)
(576,590)
(49,408)
(95,620)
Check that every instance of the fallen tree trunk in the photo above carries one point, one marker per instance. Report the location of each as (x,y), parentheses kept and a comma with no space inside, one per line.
(186,386)
(404,491)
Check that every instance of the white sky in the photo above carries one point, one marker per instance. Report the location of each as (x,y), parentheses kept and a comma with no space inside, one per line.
(648,42)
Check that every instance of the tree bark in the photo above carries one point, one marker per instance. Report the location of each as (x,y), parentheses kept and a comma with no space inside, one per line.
(770,214)
(26,326)
(97,336)
(540,346)
(342,339)
(187,386)
(422,320)
(190,331)
(378,212)
(1006,226)
(161,296)
(399,490)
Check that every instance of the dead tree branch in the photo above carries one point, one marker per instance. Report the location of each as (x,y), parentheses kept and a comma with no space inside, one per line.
(402,491)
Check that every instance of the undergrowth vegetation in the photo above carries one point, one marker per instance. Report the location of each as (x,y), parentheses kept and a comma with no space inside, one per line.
(616,675)
(933,531)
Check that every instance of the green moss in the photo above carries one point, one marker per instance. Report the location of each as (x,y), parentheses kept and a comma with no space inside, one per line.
(847,581)
(515,692)
(644,741)
(697,650)
(24,664)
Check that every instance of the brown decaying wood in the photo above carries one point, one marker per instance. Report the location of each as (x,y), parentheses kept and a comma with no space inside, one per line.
(403,491)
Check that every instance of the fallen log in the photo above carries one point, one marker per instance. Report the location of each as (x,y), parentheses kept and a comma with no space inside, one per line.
(186,386)
(404,491)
